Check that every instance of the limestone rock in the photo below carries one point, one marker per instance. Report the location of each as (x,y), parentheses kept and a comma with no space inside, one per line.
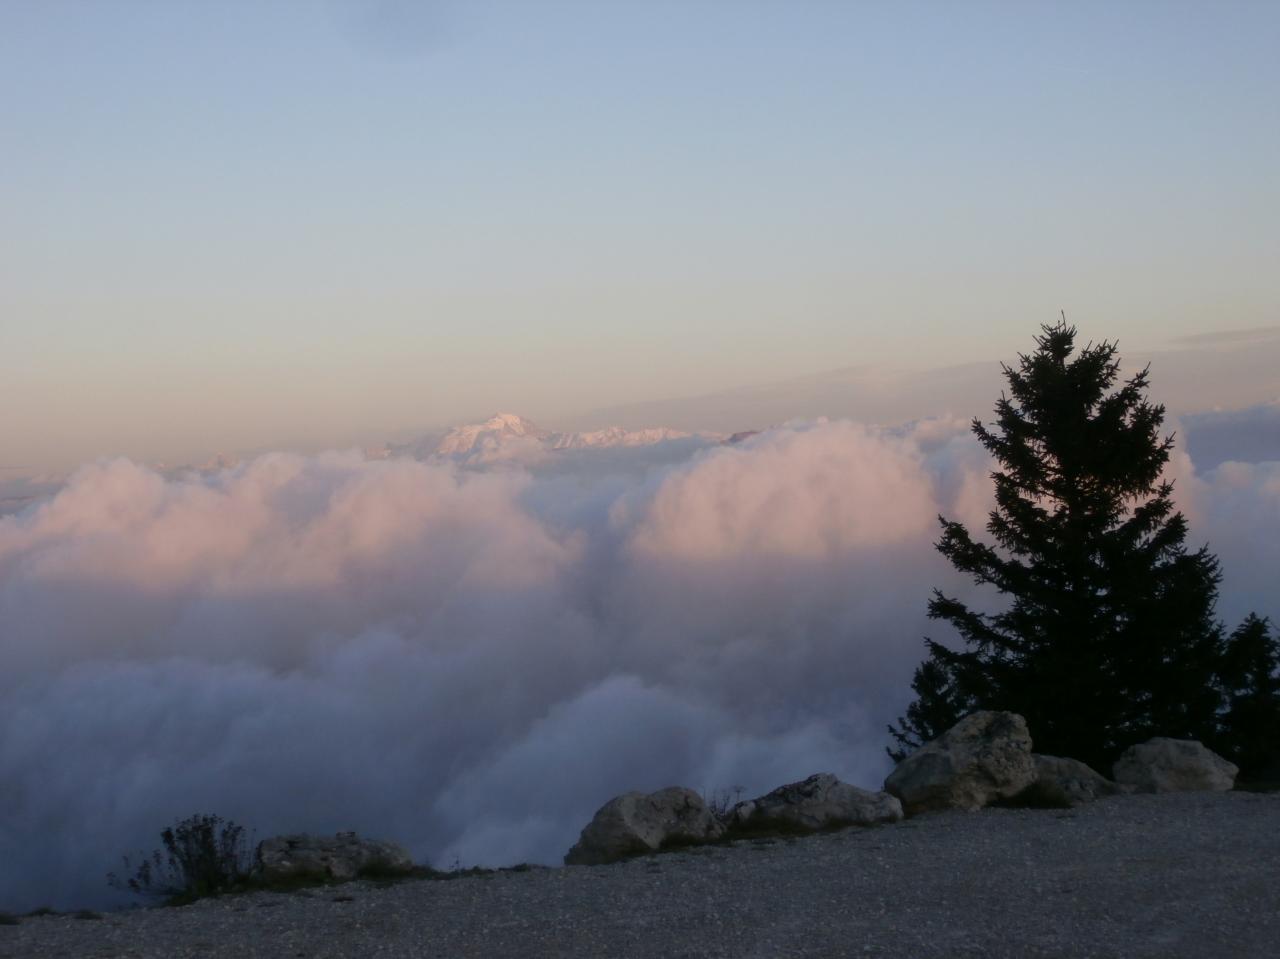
(339,858)
(1066,782)
(984,757)
(634,823)
(1163,765)
(819,802)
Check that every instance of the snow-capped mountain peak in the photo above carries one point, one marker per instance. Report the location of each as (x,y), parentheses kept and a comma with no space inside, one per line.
(512,423)
(497,429)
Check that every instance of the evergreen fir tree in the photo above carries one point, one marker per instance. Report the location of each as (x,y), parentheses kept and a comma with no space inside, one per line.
(1109,637)
(1250,677)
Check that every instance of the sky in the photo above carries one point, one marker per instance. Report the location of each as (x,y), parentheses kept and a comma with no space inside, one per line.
(227,226)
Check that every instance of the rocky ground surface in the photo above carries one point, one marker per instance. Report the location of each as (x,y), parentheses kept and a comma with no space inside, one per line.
(1194,875)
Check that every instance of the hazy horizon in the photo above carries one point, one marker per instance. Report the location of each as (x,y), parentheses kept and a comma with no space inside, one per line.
(1229,370)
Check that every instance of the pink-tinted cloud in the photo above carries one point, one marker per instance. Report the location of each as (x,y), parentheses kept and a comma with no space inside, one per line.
(470,661)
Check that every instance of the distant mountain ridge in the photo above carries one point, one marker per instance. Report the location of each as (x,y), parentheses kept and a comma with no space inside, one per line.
(617,436)
(502,429)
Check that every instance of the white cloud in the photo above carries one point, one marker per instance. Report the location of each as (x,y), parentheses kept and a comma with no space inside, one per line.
(472,661)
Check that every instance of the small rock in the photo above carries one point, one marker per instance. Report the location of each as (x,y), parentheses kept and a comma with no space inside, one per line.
(984,757)
(1163,765)
(340,858)
(634,824)
(1065,782)
(819,802)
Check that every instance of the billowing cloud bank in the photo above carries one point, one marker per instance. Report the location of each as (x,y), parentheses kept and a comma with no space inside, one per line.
(471,661)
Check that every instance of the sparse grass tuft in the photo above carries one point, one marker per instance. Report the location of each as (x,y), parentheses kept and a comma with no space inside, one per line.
(722,801)
(207,856)
(202,856)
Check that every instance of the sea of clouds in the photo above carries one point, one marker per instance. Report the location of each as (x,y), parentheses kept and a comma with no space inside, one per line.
(470,657)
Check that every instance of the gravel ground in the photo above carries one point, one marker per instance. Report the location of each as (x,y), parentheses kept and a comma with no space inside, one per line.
(1175,875)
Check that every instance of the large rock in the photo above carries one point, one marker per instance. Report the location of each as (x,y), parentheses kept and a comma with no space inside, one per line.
(984,757)
(819,802)
(633,824)
(339,858)
(1174,765)
(1065,782)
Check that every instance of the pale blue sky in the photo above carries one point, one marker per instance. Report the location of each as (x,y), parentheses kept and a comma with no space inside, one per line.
(228,225)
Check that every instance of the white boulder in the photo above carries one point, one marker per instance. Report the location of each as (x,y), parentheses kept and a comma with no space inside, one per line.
(1163,765)
(820,802)
(1066,782)
(983,758)
(338,858)
(634,824)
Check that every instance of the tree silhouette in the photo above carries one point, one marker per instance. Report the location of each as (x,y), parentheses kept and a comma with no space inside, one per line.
(1250,677)
(1109,637)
